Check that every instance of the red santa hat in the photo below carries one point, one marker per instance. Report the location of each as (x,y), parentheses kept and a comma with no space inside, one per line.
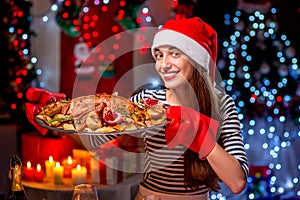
(192,36)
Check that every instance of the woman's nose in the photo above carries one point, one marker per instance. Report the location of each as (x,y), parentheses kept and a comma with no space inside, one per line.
(166,64)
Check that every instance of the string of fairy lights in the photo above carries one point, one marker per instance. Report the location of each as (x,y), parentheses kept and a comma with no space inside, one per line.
(261,72)
(258,64)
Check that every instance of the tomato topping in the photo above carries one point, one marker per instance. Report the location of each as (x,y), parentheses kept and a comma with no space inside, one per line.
(150,102)
(111,117)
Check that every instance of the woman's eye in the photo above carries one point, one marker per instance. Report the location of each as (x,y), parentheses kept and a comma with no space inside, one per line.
(175,53)
(158,55)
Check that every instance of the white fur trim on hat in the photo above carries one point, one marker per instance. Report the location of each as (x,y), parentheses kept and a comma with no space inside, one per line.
(186,44)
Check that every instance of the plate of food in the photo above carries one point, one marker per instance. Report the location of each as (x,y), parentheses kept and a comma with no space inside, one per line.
(101,114)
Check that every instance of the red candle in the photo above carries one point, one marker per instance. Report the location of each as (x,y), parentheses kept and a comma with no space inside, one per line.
(39,174)
(28,172)
(68,164)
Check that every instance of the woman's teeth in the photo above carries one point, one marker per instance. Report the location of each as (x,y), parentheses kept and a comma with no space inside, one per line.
(170,74)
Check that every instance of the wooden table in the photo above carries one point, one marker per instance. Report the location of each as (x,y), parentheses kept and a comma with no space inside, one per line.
(47,190)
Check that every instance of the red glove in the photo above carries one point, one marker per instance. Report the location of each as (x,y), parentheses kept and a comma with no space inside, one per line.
(38,98)
(192,129)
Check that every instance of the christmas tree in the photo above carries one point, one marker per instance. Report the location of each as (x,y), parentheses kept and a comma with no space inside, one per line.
(16,68)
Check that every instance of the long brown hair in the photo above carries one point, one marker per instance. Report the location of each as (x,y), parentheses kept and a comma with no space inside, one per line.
(199,172)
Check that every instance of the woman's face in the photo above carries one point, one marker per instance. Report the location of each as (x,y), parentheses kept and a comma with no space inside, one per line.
(174,67)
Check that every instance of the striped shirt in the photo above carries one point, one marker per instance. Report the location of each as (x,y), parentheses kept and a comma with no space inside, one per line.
(164,170)
(164,167)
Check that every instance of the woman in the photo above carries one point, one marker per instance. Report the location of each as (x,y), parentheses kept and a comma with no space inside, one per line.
(202,144)
(187,159)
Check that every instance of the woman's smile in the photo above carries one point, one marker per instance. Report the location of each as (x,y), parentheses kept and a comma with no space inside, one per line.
(169,75)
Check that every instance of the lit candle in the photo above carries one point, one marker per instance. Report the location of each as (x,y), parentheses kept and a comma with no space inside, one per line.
(69,164)
(49,165)
(28,172)
(58,172)
(39,174)
(79,175)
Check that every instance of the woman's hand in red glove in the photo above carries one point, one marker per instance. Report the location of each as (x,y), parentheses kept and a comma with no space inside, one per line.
(38,98)
(191,129)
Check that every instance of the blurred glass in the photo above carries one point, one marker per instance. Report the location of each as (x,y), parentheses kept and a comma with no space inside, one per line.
(85,192)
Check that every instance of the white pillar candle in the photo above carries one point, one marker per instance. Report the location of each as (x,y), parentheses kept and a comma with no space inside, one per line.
(49,165)
(58,172)
(79,175)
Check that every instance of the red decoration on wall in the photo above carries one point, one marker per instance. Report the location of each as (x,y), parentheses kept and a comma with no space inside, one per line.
(104,65)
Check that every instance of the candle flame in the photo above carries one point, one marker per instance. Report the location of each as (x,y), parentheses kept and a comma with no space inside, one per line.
(69,160)
(57,165)
(50,159)
(78,167)
(38,167)
(28,164)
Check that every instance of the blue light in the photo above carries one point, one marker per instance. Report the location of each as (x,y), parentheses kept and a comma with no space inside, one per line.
(230,51)
(231,56)
(235,20)
(228,88)
(38,71)
(225,44)
(282,59)
(251,18)
(25,51)
(227,16)
(272,128)
(251,132)
(267,82)
(261,25)
(252,33)
(42,84)
(86,9)
(241,103)
(247,76)
(245,68)
(244,53)
(284,80)
(246,38)
(244,47)
(237,33)
(273,10)
(283,144)
(24,36)
(246,84)
(34,60)
(240,116)
(282,118)
(238,13)
(255,25)
(249,58)
(269,118)
(262,131)
(294,60)
(11,29)
(45,18)
(252,122)
(283,37)
(287,43)
(279,54)
(54,7)
(232,62)
(276,111)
